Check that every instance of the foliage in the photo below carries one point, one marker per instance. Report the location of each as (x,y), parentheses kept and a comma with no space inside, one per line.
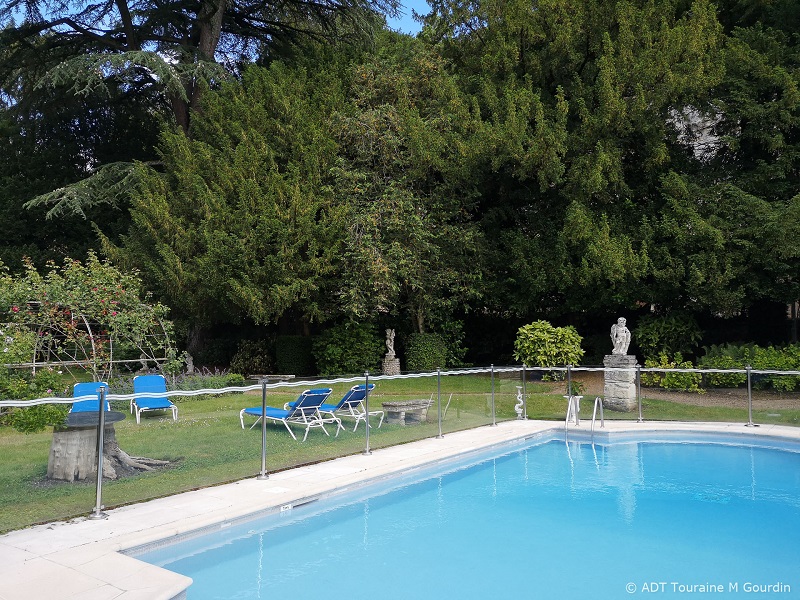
(772,358)
(254,357)
(144,45)
(209,380)
(25,385)
(726,356)
(404,180)
(562,163)
(540,344)
(425,352)
(173,364)
(348,348)
(293,355)
(578,387)
(237,222)
(90,313)
(667,334)
(452,332)
(778,359)
(689,382)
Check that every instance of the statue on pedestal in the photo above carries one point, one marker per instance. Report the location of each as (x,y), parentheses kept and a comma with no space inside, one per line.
(391,364)
(619,386)
(620,337)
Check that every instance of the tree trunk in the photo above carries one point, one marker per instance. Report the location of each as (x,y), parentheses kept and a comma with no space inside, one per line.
(73,456)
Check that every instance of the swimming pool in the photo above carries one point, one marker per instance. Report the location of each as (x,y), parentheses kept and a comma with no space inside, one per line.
(548,520)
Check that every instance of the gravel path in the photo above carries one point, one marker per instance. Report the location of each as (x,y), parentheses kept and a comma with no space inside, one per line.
(717,397)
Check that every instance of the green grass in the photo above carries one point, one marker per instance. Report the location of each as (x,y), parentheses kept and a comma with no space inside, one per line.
(207,446)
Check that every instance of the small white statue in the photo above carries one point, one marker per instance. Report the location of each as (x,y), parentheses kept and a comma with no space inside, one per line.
(520,406)
(620,337)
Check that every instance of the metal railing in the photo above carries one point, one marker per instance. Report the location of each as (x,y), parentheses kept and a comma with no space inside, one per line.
(521,374)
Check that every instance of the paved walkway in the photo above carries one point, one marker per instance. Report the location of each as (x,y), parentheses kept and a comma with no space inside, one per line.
(80,559)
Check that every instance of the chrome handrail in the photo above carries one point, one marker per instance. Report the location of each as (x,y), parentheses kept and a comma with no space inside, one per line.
(598,401)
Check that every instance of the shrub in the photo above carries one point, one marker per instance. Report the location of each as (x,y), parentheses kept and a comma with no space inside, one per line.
(689,382)
(771,358)
(668,334)
(777,359)
(726,356)
(23,385)
(539,344)
(348,348)
(293,355)
(253,357)
(453,334)
(426,352)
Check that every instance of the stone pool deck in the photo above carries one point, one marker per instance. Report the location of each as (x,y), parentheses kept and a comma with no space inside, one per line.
(81,559)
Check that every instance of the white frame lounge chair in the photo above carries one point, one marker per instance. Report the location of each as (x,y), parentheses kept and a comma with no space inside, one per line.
(303,411)
(351,405)
(151,384)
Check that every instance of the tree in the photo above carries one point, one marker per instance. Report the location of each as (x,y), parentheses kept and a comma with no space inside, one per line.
(163,55)
(238,222)
(176,48)
(310,193)
(576,97)
(52,140)
(407,145)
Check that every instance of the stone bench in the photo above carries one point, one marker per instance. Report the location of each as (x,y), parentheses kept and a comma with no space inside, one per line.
(406,412)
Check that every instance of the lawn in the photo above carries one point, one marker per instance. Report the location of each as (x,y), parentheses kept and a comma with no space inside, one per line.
(207,446)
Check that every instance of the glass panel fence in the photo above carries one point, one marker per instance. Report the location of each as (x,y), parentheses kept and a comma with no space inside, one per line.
(218,434)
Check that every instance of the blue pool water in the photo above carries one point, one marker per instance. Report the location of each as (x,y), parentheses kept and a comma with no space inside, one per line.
(553,520)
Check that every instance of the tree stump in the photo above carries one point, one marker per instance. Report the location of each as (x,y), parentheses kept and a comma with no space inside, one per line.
(73,456)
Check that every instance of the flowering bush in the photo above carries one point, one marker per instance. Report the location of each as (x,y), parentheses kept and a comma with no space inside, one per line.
(89,314)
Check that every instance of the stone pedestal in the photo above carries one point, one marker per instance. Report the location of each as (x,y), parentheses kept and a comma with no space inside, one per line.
(619,389)
(391,365)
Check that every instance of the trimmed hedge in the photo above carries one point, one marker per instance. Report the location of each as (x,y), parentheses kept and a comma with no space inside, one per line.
(293,355)
(426,352)
(348,349)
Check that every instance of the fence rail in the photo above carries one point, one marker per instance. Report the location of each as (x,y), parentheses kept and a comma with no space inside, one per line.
(478,402)
(373,378)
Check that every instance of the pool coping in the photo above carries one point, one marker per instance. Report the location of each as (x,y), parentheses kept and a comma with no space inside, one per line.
(85,559)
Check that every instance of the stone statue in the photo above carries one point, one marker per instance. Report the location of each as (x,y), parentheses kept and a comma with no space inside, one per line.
(391,364)
(390,343)
(620,337)
(189,363)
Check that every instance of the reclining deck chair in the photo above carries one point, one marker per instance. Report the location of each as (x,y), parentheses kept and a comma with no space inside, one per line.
(351,405)
(303,411)
(88,388)
(151,384)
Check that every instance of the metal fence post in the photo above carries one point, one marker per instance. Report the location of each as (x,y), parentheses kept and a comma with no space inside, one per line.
(98,513)
(569,382)
(366,410)
(749,423)
(524,393)
(494,418)
(439,399)
(263,474)
(639,390)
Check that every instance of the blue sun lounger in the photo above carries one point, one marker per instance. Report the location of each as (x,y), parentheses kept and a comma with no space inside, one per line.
(303,411)
(351,405)
(151,384)
(88,388)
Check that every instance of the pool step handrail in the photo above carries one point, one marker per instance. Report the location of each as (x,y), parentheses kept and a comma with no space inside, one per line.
(573,408)
(598,402)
